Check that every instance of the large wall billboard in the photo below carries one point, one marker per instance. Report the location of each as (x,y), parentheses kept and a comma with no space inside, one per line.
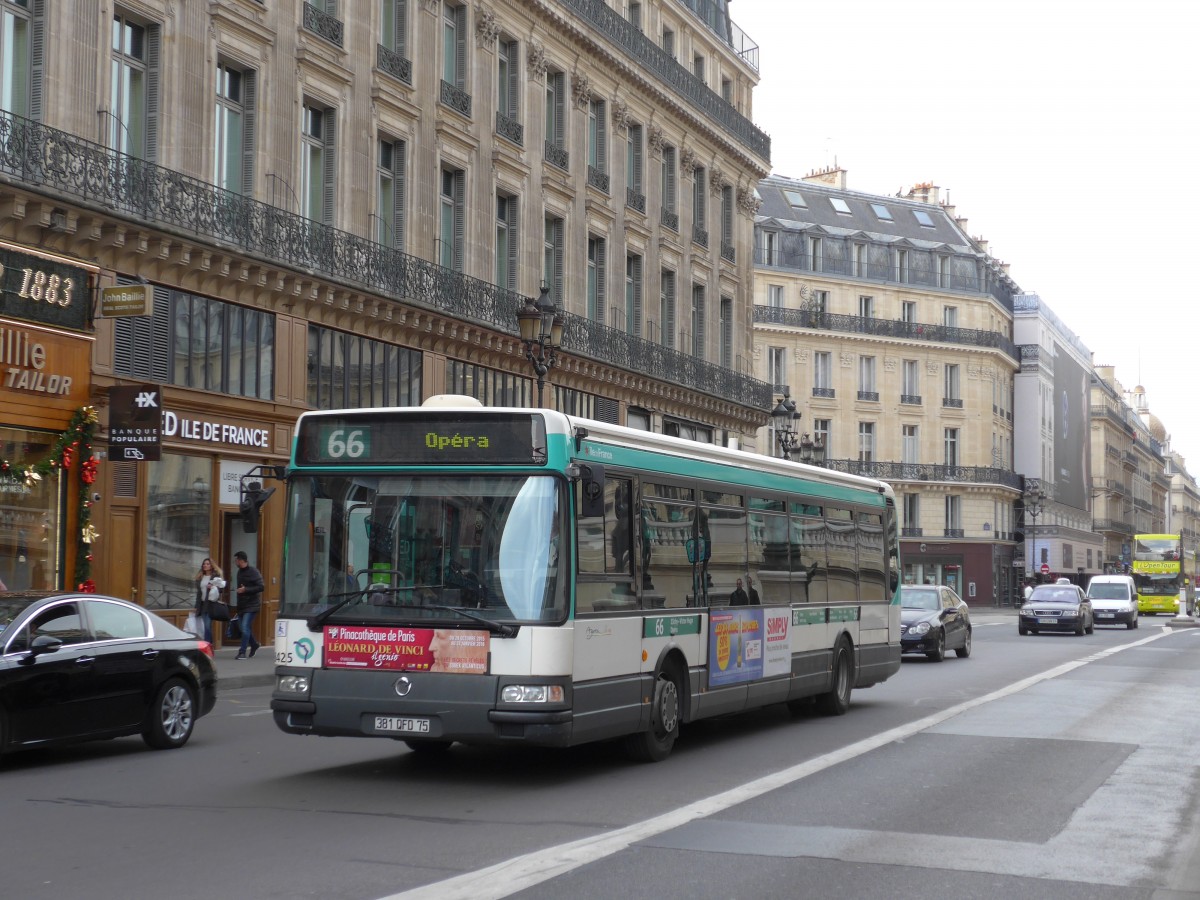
(1072,431)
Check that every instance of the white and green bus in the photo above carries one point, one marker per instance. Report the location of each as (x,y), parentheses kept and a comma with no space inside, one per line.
(508,576)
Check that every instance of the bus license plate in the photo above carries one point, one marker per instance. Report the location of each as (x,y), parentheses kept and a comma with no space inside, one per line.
(401,725)
(1047,621)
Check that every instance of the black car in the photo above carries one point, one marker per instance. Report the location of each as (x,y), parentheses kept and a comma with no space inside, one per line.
(1056,607)
(934,619)
(79,667)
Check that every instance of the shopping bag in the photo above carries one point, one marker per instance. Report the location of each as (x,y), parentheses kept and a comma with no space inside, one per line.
(194,626)
(233,629)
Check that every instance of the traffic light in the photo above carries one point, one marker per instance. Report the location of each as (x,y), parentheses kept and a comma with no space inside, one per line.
(253,497)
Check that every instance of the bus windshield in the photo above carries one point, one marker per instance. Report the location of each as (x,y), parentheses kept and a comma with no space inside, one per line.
(408,548)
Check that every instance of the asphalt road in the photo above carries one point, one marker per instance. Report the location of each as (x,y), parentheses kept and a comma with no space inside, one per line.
(1047,766)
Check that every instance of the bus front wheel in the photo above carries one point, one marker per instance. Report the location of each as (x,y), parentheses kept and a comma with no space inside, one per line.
(656,743)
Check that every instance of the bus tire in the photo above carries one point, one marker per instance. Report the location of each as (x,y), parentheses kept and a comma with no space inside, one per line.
(655,744)
(836,700)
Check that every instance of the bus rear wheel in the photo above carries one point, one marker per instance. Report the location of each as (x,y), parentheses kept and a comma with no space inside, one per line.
(837,700)
(656,743)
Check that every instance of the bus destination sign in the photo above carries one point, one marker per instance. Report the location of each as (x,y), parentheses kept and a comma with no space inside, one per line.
(430,438)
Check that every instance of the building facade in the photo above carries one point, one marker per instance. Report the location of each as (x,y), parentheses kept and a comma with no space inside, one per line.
(891,329)
(349,210)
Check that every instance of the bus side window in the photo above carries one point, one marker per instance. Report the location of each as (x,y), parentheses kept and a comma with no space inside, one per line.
(605,547)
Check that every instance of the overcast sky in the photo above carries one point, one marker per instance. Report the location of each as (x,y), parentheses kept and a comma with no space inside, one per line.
(1065,132)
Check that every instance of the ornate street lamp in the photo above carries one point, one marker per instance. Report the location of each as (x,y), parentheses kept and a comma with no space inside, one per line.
(1035,503)
(541,326)
(784,418)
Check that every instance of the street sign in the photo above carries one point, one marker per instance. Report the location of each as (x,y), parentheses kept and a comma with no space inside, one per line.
(1045,568)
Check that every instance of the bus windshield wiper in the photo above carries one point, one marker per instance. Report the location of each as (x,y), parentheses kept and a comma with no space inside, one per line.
(316,621)
(501,628)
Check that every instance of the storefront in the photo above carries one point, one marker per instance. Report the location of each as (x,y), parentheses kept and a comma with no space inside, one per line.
(980,573)
(45,420)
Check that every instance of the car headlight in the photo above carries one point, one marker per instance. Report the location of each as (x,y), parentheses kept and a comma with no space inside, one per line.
(292,684)
(919,628)
(532,693)
(1070,611)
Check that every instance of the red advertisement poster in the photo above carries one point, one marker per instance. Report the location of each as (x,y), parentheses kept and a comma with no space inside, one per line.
(406,649)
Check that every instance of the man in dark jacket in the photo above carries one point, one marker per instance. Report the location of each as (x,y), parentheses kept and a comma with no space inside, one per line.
(249,601)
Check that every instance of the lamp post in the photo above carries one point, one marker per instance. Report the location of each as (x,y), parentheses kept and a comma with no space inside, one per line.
(1035,502)
(541,326)
(784,418)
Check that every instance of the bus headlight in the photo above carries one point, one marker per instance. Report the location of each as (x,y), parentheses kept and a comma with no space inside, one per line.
(532,693)
(292,684)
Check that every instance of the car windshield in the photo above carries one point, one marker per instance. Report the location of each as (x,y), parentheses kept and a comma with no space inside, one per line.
(919,598)
(1110,591)
(402,548)
(1054,595)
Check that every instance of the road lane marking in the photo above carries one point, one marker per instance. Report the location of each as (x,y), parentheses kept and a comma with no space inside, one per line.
(522,872)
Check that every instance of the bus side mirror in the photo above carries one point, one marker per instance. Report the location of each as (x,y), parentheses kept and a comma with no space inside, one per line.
(592,486)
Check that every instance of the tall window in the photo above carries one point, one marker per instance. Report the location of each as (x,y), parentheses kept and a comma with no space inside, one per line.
(912,513)
(727,221)
(394,26)
(508,92)
(910,444)
(727,332)
(823,371)
(698,319)
(668,41)
(777,375)
(768,248)
(951,441)
(952,385)
(866,378)
(133,93)
(858,265)
(901,272)
(950,316)
(814,254)
(349,370)
(633,161)
(596,260)
(556,118)
(943,264)
(635,15)
(633,294)
(866,307)
(21,58)
(506,242)
(450,219)
(666,300)
(910,390)
(390,193)
(866,441)
(698,66)
(552,255)
(454,45)
(727,90)
(317,164)
(699,199)
(953,513)
(908,311)
(233,145)
(775,296)
(823,434)
(670,203)
(820,301)
(597,138)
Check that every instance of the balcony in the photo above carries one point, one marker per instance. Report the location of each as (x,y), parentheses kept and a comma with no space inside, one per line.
(597,179)
(728,253)
(871,396)
(911,399)
(455,98)
(510,129)
(1113,526)
(670,220)
(912,331)
(827,393)
(635,200)
(699,236)
(323,25)
(67,168)
(953,532)
(952,402)
(393,64)
(557,156)
(897,471)
(912,532)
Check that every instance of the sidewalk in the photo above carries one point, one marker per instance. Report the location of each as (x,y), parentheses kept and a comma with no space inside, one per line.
(255,671)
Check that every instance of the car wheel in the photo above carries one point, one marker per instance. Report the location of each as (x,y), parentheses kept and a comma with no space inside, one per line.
(1091,627)
(965,650)
(1080,628)
(1021,629)
(938,653)
(1136,621)
(171,717)
(836,700)
(429,748)
(656,744)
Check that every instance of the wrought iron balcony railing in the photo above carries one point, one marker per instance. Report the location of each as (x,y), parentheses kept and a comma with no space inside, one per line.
(323,24)
(897,471)
(911,531)
(455,98)
(728,253)
(597,179)
(952,402)
(916,331)
(828,393)
(699,236)
(953,532)
(393,64)
(911,399)
(66,167)
(1115,526)
(872,396)
(670,220)
(635,200)
(510,129)
(662,66)
(557,156)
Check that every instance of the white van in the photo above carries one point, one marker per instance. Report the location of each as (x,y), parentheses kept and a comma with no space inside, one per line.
(1114,600)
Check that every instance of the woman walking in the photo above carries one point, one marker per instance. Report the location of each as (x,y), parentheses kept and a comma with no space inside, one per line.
(209,583)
